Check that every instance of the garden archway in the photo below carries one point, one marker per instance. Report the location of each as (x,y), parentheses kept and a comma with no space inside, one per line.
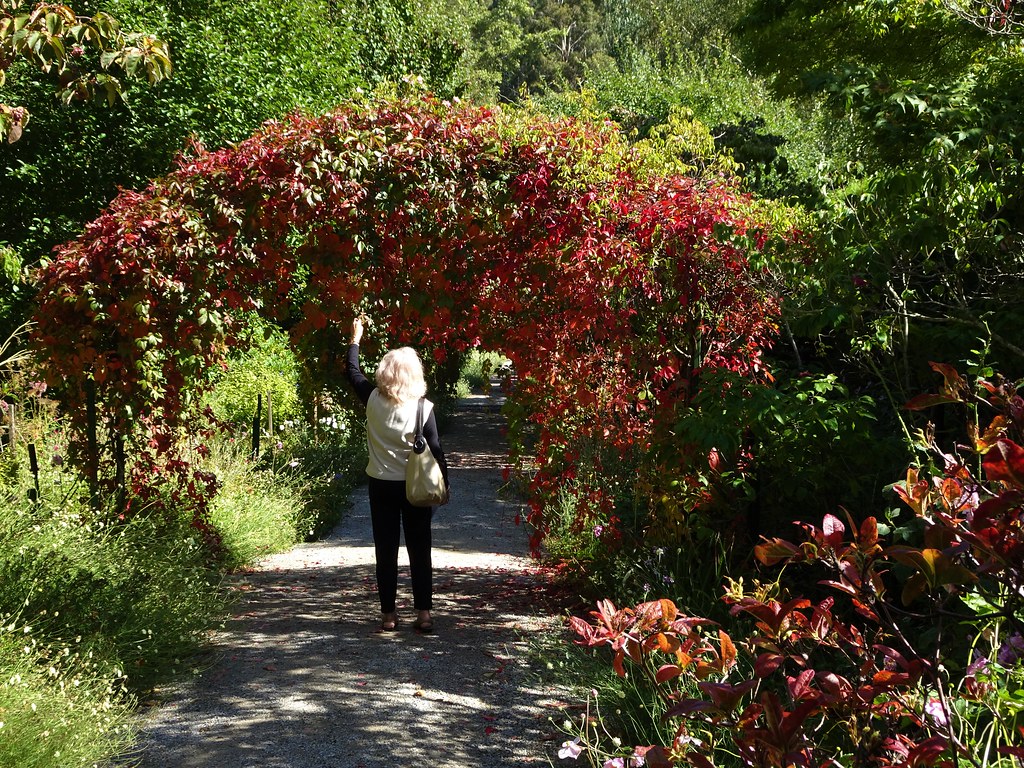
(609,286)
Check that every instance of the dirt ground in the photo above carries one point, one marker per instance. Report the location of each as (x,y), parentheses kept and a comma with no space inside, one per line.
(303,678)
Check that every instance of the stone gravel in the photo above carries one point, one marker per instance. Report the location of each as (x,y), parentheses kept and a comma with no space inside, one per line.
(302,677)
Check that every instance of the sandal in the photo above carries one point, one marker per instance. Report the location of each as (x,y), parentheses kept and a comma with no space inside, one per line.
(426,626)
(388,623)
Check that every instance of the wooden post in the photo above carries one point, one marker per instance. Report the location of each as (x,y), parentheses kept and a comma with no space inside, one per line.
(257,423)
(9,439)
(93,459)
(122,490)
(270,417)
(33,465)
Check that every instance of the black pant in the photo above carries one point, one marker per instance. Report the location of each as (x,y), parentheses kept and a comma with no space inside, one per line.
(389,512)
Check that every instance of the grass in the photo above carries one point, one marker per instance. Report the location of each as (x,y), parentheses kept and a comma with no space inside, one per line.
(90,613)
(256,511)
(56,713)
(96,610)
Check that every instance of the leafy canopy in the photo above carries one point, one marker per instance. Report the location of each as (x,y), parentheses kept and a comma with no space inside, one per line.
(611,289)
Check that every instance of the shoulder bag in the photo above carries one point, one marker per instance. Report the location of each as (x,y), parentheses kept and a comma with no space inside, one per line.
(424,483)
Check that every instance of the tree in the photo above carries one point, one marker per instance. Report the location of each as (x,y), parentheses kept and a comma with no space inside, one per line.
(921,250)
(539,45)
(83,53)
(420,38)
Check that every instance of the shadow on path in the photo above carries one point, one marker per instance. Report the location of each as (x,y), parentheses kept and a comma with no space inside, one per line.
(302,677)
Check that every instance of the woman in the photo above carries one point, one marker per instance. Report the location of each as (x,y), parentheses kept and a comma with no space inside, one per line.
(390,427)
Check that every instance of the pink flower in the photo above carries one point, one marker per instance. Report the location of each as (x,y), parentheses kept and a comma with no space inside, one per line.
(935,711)
(570,749)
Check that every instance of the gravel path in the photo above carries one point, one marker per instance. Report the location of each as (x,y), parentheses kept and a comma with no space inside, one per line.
(302,677)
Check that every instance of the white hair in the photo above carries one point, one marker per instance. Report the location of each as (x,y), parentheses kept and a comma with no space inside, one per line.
(400,375)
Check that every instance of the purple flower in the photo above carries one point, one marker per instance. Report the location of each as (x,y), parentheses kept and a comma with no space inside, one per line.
(1011,651)
(598,530)
(570,749)
(615,762)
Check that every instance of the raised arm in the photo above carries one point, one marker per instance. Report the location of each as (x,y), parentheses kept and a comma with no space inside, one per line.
(362,385)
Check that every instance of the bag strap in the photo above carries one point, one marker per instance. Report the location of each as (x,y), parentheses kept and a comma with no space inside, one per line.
(418,443)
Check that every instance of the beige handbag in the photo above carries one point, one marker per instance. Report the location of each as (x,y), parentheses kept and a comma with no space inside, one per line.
(424,483)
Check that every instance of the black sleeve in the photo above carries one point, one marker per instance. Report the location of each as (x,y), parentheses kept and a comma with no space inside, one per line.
(362,385)
(434,443)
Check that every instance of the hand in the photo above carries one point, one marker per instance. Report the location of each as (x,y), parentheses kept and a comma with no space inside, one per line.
(357,330)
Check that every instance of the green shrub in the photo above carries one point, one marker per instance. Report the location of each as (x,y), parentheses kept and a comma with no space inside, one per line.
(267,368)
(478,369)
(627,708)
(97,604)
(329,459)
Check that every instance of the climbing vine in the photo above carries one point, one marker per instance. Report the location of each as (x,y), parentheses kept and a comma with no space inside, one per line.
(609,286)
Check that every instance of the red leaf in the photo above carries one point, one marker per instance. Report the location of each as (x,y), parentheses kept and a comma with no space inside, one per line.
(584,630)
(800,686)
(725,696)
(927,401)
(667,672)
(654,757)
(775,551)
(698,760)
(927,752)
(955,386)
(766,663)
(1004,463)
(687,707)
(868,533)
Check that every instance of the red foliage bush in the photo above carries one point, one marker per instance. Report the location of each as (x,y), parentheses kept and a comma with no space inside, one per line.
(888,669)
